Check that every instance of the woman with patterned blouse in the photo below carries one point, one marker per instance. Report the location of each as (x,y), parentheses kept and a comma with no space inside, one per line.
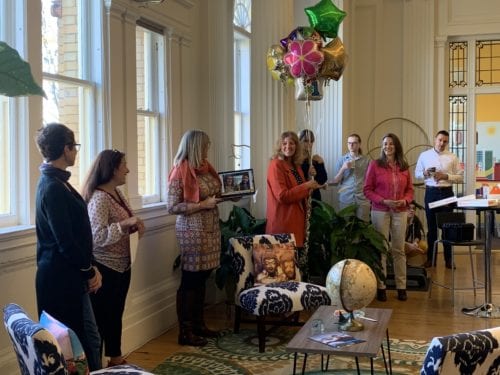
(192,195)
(112,223)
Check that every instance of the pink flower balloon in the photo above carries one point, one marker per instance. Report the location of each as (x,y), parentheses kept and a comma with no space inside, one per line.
(303,58)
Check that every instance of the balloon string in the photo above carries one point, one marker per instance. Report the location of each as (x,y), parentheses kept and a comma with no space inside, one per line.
(304,258)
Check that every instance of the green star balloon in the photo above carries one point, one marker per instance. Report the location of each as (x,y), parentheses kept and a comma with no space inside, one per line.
(325,17)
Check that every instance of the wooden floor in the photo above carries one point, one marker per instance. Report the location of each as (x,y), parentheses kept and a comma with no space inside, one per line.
(419,318)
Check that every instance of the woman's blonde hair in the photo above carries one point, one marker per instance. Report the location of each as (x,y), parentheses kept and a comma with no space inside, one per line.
(191,148)
(298,157)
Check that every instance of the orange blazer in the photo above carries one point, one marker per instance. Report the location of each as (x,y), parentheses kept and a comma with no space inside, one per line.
(286,201)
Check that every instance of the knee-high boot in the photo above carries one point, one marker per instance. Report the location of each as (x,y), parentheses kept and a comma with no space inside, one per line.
(199,327)
(185,308)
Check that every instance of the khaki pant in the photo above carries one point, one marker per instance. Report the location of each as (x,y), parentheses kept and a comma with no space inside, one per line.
(393,226)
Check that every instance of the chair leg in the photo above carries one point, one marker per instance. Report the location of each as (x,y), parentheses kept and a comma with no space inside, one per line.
(452,277)
(472,270)
(237,318)
(261,333)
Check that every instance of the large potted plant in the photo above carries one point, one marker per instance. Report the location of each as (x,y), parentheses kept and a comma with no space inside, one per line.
(334,236)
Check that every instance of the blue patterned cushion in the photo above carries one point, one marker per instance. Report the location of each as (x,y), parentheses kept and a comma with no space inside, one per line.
(464,353)
(37,350)
(274,298)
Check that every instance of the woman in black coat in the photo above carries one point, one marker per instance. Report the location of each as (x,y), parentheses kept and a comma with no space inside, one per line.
(65,273)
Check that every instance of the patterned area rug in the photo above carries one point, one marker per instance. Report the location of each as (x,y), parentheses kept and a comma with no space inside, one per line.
(233,354)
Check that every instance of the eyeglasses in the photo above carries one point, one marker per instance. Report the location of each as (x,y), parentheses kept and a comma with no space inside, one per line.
(76,146)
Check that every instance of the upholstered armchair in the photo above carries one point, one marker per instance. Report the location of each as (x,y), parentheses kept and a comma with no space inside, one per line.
(268,296)
(475,352)
(39,353)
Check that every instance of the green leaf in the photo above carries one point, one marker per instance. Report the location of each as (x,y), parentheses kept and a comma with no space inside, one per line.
(15,74)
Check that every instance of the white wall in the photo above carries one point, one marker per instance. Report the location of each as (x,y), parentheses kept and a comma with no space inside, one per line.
(396,57)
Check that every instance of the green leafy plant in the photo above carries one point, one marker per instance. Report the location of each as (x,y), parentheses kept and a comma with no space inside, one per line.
(239,223)
(335,236)
(15,74)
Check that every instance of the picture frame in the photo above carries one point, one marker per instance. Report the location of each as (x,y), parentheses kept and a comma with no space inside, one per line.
(237,183)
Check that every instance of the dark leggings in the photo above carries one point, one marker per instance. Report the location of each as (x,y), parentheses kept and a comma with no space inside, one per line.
(108,304)
(193,280)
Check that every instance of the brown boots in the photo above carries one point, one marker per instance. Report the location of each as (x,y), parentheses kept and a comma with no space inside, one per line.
(192,328)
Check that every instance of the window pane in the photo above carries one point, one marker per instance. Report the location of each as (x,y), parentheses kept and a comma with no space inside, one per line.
(150,99)
(145,68)
(5,157)
(242,16)
(487,62)
(458,64)
(68,103)
(61,37)
(148,151)
(458,133)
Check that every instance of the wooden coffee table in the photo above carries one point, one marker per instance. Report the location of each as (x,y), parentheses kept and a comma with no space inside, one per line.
(374,334)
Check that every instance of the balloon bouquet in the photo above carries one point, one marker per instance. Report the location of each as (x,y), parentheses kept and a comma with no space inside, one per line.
(301,59)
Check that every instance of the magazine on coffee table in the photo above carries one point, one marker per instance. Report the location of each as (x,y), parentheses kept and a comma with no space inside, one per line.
(336,339)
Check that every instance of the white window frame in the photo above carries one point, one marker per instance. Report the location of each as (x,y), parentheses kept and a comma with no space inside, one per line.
(154,115)
(242,86)
(13,140)
(91,133)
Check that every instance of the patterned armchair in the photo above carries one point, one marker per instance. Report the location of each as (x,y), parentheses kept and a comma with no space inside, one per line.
(475,352)
(39,353)
(276,299)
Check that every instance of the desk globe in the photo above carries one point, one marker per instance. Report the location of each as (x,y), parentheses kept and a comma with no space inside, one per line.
(352,284)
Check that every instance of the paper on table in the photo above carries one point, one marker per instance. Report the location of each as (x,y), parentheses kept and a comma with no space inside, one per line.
(453,199)
(134,243)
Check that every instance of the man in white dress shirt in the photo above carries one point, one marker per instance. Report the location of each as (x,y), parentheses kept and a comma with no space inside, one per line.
(440,168)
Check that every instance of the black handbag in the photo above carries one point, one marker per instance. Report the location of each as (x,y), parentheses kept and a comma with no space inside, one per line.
(458,231)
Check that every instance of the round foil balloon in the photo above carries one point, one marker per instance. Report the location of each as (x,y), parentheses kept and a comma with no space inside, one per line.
(301,33)
(325,17)
(335,60)
(351,284)
(279,71)
(303,58)
(308,89)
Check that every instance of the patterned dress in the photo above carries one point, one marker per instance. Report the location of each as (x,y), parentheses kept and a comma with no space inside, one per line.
(198,233)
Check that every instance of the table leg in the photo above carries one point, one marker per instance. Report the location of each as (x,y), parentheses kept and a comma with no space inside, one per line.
(327,362)
(371,365)
(486,310)
(294,363)
(357,365)
(304,364)
(389,350)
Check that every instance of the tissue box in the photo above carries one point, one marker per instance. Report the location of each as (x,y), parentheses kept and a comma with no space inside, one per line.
(458,231)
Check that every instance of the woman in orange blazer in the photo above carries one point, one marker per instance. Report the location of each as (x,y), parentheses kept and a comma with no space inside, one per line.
(287,190)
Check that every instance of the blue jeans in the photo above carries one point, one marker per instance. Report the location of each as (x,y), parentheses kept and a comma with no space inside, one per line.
(92,341)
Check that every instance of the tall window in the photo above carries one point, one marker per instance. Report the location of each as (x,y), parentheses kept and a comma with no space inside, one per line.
(150,98)
(474,74)
(69,38)
(12,131)
(242,19)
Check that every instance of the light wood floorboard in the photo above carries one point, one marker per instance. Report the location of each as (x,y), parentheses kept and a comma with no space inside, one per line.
(419,318)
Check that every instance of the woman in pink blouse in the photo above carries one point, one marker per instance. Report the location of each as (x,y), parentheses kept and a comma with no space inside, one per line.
(389,187)
(193,188)
(112,223)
